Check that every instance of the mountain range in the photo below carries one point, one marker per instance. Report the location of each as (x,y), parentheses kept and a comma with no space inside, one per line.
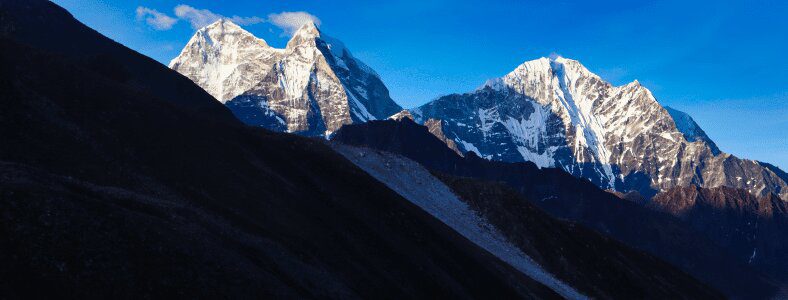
(120,177)
(553,112)
(123,177)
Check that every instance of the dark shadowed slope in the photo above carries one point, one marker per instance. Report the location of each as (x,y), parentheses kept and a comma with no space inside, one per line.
(753,229)
(570,198)
(569,258)
(50,28)
(119,177)
(598,266)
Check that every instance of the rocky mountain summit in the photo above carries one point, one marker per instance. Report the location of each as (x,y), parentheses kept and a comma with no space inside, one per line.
(554,112)
(312,87)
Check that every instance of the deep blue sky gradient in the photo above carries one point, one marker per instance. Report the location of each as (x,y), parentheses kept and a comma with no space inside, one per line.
(723,62)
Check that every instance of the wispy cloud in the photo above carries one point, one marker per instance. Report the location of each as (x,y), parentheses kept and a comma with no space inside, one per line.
(290,21)
(155,19)
(246,20)
(199,18)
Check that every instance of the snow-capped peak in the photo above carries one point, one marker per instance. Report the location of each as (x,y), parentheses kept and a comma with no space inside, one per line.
(307,33)
(278,88)
(635,84)
(571,68)
(530,73)
(224,59)
(555,112)
(225,24)
(308,28)
(540,65)
(219,32)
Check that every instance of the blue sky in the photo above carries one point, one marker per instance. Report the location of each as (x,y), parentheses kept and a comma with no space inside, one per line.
(723,62)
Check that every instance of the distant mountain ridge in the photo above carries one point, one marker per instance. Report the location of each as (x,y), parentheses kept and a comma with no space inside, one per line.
(556,113)
(311,87)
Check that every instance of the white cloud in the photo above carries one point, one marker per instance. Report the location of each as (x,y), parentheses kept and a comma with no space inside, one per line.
(291,21)
(199,18)
(288,21)
(155,19)
(246,20)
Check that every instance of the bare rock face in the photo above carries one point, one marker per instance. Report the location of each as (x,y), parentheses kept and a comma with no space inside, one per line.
(433,125)
(436,128)
(311,87)
(556,113)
